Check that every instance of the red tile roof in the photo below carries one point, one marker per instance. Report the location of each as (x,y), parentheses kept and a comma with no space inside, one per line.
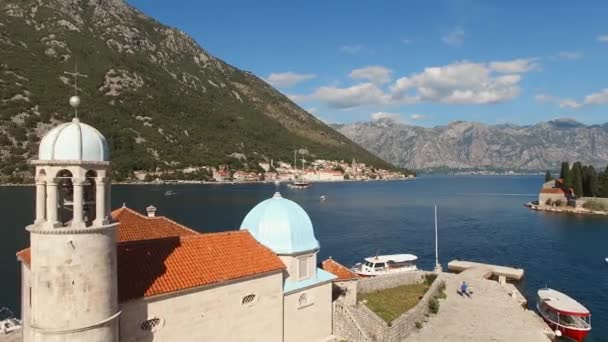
(135,226)
(337,269)
(153,267)
(554,191)
(157,255)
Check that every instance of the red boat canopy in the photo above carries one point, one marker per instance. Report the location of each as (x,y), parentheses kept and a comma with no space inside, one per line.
(562,303)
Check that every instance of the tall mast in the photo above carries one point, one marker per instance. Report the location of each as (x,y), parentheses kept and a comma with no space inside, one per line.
(437,265)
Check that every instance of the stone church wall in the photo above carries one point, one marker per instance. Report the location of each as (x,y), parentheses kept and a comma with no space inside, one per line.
(310,321)
(210,314)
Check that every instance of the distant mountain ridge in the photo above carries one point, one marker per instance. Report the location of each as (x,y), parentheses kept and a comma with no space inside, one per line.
(471,145)
(160,99)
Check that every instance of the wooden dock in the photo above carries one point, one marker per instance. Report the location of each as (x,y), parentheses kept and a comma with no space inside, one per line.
(486,270)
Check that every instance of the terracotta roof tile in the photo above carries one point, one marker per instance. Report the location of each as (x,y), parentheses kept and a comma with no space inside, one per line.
(153,267)
(135,226)
(554,191)
(157,255)
(339,270)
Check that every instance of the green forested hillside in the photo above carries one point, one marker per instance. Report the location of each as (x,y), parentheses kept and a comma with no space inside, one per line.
(161,100)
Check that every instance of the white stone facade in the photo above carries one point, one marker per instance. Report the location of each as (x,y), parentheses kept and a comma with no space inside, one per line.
(307,314)
(210,313)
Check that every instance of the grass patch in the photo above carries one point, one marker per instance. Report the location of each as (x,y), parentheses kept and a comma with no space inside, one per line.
(392,303)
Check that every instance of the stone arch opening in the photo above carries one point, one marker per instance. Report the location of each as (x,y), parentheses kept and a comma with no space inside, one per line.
(90,197)
(65,198)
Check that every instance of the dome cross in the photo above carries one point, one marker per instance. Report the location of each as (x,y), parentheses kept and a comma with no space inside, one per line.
(75,100)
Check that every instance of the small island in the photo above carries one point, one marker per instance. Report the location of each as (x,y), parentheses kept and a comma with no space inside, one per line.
(580,189)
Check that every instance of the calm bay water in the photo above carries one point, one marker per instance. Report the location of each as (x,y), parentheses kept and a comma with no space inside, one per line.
(480,219)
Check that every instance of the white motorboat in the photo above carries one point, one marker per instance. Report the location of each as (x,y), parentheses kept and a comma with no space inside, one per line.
(8,322)
(564,315)
(386,264)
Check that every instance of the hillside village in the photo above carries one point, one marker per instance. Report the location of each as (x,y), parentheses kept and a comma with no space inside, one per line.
(318,170)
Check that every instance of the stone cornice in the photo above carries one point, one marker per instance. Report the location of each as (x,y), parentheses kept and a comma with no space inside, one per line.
(40,229)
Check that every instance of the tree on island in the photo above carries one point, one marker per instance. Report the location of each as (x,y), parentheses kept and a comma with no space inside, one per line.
(565,170)
(548,176)
(576,178)
(603,184)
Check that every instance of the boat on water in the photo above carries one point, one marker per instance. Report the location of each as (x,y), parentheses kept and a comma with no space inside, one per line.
(299,184)
(386,264)
(169,193)
(8,322)
(564,315)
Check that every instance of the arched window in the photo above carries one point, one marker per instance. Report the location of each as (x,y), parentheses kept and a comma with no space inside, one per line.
(249,299)
(90,196)
(151,324)
(304,301)
(65,199)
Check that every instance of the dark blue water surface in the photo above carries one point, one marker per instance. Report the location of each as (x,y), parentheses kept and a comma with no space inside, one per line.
(480,219)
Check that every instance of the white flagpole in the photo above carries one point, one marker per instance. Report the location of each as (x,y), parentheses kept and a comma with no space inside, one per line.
(437,266)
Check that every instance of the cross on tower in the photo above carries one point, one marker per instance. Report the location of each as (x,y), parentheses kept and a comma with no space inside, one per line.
(75,100)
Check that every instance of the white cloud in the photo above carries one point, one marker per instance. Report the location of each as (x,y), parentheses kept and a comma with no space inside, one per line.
(351,49)
(459,83)
(407,41)
(287,79)
(385,116)
(375,74)
(603,38)
(455,37)
(569,103)
(417,117)
(312,110)
(598,98)
(515,66)
(569,55)
(357,95)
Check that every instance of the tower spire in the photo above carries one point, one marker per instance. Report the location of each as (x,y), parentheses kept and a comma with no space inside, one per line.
(75,100)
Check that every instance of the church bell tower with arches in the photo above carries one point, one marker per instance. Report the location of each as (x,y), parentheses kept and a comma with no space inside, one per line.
(72,278)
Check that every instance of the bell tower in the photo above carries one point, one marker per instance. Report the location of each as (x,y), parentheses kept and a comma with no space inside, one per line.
(72,278)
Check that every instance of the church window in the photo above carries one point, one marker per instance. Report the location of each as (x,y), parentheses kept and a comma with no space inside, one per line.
(303,268)
(152,324)
(249,299)
(304,301)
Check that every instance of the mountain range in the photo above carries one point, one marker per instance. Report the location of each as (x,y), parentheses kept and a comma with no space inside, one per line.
(464,145)
(161,100)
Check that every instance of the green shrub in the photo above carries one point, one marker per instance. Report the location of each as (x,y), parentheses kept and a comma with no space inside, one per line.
(595,205)
(549,201)
(429,278)
(434,305)
(418,325)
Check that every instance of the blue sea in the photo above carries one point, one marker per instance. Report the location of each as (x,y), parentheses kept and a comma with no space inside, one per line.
(481,218)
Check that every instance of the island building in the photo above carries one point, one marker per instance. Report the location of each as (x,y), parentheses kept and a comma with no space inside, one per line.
(554,192)
(99,276)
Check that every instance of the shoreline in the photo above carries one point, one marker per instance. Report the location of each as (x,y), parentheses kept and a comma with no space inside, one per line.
(565,210)
(224,183)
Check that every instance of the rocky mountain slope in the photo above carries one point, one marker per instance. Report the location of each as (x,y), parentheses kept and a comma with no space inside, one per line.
(160,99)
(470,145)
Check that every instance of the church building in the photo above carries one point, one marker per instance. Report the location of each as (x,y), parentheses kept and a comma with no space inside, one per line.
(95,275)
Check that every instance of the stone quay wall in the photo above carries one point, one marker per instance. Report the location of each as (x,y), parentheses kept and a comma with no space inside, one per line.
(367,285)
(357,323)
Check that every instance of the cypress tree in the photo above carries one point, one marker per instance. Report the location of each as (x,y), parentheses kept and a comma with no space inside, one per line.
(563,174)
(576,179)
(593,182)
(548,176)
(603,183)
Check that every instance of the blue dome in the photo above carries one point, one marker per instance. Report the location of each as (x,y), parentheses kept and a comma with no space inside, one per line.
(281,225)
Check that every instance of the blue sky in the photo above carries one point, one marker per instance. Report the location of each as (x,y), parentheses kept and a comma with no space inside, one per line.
(421,62)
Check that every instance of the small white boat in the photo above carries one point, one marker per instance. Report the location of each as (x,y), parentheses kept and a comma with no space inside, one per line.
(386,264)
(8,322)
(606,259)
(169,193)
(322,198)
(299,184)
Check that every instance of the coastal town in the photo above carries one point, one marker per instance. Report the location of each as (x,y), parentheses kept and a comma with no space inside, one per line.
(317,170)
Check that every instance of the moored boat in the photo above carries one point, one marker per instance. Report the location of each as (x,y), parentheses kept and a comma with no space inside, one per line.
(564,314)
(299,184)
(8,322)
(386,264)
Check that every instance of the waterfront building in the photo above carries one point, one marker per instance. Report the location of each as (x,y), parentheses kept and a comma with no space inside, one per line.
(100,276)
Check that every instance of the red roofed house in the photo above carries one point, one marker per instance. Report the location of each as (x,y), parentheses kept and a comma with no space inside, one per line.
(95,276)
(554,193)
